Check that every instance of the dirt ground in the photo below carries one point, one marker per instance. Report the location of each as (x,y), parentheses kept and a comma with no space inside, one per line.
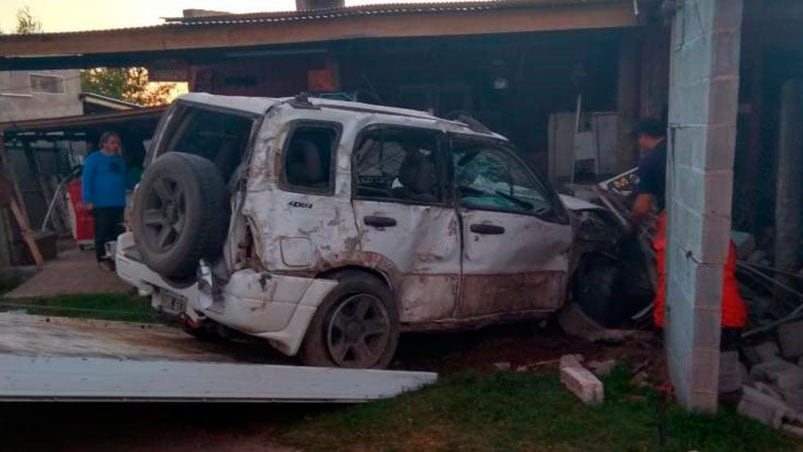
(211,426)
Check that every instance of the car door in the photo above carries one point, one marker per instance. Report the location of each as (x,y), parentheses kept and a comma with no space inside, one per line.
(516,235)
(404,216)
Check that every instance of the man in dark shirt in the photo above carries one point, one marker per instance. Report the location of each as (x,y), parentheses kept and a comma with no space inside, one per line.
(652,194)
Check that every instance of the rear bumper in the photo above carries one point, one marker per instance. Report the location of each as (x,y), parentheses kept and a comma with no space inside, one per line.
(277,308)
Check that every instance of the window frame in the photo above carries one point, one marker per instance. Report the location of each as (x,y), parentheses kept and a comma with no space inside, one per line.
(293,126)
(441,166)
(557,214)
(57,77)
(176,119)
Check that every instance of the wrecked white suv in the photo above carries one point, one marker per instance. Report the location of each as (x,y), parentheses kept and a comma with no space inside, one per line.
(328,228)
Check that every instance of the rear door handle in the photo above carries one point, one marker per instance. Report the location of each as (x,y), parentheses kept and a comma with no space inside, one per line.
(380,222)
(487,229)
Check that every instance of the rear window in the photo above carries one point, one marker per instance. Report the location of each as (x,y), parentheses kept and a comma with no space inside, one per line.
(218,136)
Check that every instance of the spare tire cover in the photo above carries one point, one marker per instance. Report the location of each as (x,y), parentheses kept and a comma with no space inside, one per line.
(181,214)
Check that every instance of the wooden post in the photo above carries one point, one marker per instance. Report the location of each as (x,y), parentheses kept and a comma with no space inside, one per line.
(27,234)
(19,214)
(627,101)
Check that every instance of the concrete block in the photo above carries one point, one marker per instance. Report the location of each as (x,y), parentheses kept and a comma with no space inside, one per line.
(583,384)
(602,368)
(707,325)
(720,145)
(729,15)
(794,398)
(724,100)
(790,339)
(705,371)
(726,53)
(781,374)
(571,361)
(502,366)
(730,373)
(762,353)
(763,408)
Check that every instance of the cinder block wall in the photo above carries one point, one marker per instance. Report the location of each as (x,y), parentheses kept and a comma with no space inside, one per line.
(703,104)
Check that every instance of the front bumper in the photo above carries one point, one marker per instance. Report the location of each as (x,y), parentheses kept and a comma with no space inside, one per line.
(278,308)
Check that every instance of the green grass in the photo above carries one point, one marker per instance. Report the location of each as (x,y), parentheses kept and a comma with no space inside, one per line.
(95,306)
(525,411)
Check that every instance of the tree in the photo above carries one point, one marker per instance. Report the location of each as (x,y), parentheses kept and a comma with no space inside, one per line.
(128,84)
(26,23)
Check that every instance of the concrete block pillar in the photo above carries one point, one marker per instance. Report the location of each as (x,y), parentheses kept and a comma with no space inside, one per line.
(703,104)
(788,201)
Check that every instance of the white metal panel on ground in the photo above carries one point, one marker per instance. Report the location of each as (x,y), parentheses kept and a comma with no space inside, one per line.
(98,379)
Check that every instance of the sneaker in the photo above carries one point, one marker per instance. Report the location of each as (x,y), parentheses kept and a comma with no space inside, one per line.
(106,265)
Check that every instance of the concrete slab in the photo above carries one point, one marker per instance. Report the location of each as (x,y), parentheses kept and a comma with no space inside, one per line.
(73,272)
(31,335)
(59,359)
(99,379)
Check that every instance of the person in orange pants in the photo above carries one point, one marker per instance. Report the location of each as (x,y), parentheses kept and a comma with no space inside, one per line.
(651,194)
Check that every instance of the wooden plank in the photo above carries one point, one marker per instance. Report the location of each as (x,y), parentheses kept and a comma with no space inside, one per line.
(39,379)
(26,232)
(182,37)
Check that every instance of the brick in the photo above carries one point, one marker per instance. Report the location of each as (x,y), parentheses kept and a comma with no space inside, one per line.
(761,353)
(790,339)
(571,361)
(583,384)
(782,374)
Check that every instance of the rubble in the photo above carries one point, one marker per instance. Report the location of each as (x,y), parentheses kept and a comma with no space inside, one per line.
(790,339)
(764,408)
(781,374)
(602,368)
(585,385)
(761,353)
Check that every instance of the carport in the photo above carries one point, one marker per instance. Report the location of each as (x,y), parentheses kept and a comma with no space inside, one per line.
(729,59)
(37,155)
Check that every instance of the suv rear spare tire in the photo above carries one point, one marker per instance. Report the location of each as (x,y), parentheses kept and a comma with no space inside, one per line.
(180,214)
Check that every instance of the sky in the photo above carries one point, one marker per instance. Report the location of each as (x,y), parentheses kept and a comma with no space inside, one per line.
(74,15)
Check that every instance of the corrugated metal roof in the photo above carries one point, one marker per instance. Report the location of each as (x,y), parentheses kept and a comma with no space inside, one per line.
(335,13)
(47,124)
(378,10)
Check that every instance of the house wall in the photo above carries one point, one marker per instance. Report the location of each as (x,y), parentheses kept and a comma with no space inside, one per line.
(19,100)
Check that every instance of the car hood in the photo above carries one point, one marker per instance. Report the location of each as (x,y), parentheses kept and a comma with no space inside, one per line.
(577,204)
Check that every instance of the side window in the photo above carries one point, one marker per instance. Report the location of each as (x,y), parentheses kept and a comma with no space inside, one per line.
(491,177)
(308,158)
(397,165)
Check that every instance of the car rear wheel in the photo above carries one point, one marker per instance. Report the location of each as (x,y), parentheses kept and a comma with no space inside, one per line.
(356,326)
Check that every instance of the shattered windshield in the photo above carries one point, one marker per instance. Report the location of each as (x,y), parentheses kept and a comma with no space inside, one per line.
(491,177)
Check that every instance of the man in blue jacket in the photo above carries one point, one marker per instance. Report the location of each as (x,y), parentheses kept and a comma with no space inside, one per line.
(104,181)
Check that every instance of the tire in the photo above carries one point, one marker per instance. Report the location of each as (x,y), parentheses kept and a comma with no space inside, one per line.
(594,286)
(180,214)
(332,337)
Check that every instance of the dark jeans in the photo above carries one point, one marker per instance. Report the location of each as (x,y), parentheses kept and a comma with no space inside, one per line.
(108,225)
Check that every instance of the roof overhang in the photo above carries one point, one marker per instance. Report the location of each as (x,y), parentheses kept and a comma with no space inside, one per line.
(80,123)
(143,45)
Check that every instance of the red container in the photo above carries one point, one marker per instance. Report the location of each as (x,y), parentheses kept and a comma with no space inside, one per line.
(83,226)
